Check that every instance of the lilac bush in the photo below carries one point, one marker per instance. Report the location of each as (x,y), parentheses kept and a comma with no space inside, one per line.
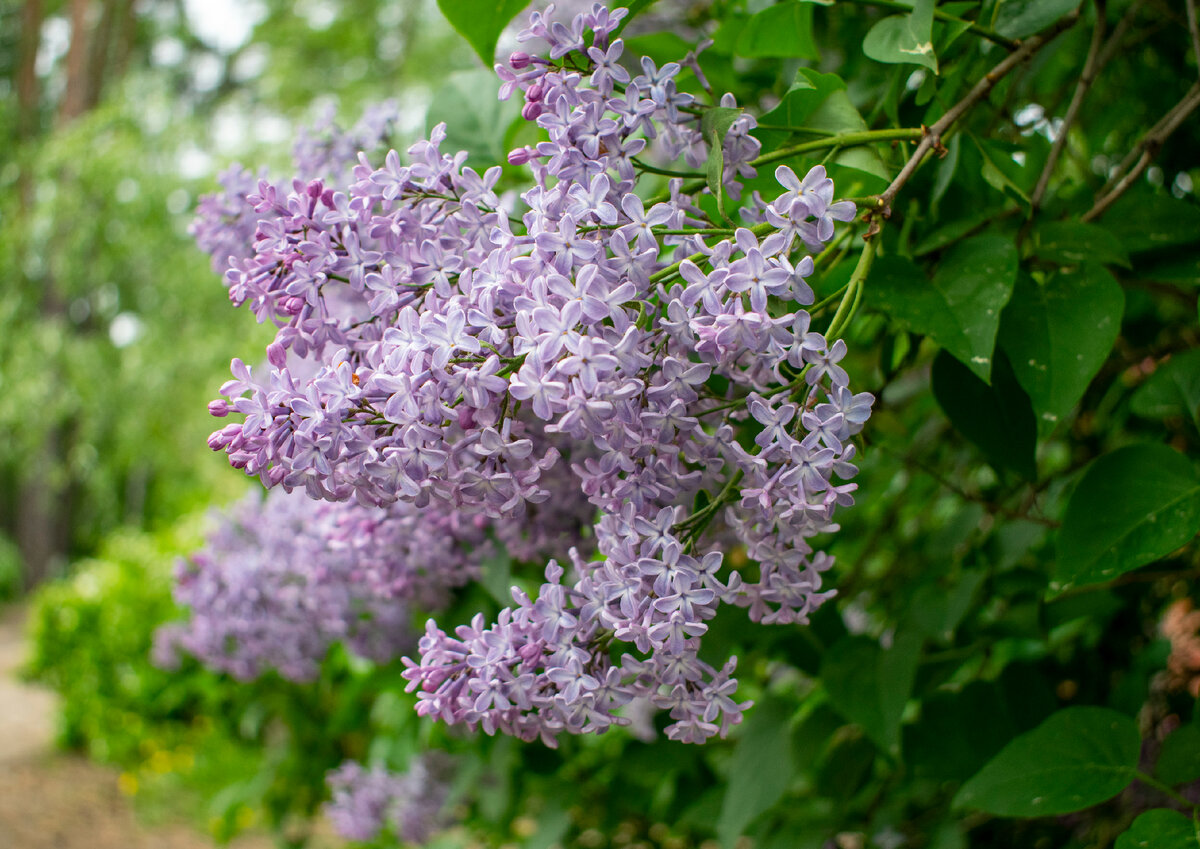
(449,354)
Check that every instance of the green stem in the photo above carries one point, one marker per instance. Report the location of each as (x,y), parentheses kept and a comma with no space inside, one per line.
(665,172)
(1164,789)
(672,271)
(706,515)
(790,129)
(838,141)
(842,140)
(853,294)
(980,30)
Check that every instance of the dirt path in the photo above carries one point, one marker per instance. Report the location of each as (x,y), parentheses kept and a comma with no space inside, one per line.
(53,800)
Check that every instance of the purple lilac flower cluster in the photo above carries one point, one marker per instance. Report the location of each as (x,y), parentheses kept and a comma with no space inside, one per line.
(283,577)
(226,221)
(455,354)
(366,802)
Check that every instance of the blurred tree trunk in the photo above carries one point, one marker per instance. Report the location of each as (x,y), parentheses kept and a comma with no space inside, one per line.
(75,96)
(27,81)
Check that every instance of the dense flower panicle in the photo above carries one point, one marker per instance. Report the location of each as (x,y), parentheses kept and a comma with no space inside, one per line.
(438,348)
(283,577)
(368,802)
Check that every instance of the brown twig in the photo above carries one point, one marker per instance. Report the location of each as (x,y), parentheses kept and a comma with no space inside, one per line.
(1090,69)
(1194,29)
(1145,151)
(932,138)
(993,507)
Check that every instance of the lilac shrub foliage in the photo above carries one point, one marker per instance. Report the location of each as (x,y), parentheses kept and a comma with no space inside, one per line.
(443,348)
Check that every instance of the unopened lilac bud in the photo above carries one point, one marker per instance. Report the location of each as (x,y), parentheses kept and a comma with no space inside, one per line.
(314,189)
(220,439)
(521,156)
(277,354)
(293,305)
(327,198)
(519,61)
(534,93)
(531,110)
(218,408)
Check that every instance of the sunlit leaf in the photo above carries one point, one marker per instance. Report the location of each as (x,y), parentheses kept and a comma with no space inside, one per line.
(780,31)
(904,38)
(480,22)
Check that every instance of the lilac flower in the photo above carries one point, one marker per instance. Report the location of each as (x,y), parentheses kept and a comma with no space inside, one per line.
(454,372)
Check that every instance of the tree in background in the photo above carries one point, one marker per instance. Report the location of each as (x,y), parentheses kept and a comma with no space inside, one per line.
(113,109)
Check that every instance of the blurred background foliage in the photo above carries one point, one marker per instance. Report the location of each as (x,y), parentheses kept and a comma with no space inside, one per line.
(946,639)
(115,115)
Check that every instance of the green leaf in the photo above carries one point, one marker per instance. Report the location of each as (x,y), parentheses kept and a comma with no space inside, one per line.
(476,120)
(1179,760)
(1077,758)
(802,99)
(1131,507)
(1173,390)
(480,22)
(1058,334)
(905,38)
(497,578)
(1000,171)
(1145,221)
(846,766)
(870,685)
(1073,243)
(714,125)
(946,169)
(837,114)
(958,732)
(960,309)
(1161,829)
(1020,18)
(780,31)
(997,418)
(636,7)
(936,610)
(760,770)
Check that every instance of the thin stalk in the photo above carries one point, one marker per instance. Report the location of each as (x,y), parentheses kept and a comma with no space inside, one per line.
(1166,790)
(853,294)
